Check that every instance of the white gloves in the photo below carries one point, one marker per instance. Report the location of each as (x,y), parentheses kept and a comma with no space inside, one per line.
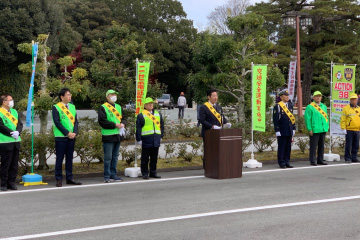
(293,132)
(15,135)
(139,142)
(122,132)
(217,127)
(228,125)
(278,134)
(344,131)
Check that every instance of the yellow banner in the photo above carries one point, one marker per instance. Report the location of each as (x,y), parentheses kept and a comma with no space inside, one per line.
(287,111)
(9,116)
(152,117)
(213,111)
(67,112)
(113,110)
(317,107)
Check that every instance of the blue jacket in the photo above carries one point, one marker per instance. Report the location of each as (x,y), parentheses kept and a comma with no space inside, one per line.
(282,122)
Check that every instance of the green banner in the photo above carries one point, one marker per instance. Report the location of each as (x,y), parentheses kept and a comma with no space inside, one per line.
(259,73)
(343,85)
(141,85)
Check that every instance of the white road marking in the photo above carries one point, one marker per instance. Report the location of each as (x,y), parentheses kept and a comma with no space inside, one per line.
(176,218)
(164,179)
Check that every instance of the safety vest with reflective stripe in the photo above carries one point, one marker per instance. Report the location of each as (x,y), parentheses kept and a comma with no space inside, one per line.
(150,127)
(9,124)
(64,120)
(111,118)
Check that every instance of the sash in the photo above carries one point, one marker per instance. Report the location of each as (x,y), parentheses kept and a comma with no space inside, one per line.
(287,111)
(152,117)
(67,112)
(213,111)
(9,116)
(114,110)
(317,107)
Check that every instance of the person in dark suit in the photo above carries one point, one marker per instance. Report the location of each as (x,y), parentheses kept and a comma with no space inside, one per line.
(284,125)
(10,130)
(65,130)
(211,115)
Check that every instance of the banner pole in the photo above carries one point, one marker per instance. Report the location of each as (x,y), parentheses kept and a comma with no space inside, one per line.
(331,103)
(136,82)
(252,110)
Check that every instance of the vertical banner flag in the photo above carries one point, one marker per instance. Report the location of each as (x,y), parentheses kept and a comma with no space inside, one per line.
(259,74)
(141,85)
(291,80)
(343,84)
(31,90)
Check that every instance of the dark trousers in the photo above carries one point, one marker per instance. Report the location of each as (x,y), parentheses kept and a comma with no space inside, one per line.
(284,150)
(9,167)
(317,141)
(146,154)
(351,145)
(64,148)
(181,111)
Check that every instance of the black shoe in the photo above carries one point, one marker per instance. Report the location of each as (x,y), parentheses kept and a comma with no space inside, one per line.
(59,183)
(355,160)
(145,177)
(12,187)
(288,166)
(322,163)
(3,188)
(71,181)
(348,161)
(155,176)
(313,164)
(282,167)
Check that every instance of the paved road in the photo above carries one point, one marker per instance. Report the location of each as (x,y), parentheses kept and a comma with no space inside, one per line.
(171,115)
(269,203)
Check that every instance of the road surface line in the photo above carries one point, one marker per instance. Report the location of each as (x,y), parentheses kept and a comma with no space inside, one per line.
(183,217)
(160,180)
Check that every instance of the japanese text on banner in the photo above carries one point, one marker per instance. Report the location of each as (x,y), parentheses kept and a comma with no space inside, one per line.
(141,85)
(259,97)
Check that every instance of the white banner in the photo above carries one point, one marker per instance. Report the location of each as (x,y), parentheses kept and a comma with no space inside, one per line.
(291,80)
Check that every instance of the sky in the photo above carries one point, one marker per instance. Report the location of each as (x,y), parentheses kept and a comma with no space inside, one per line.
(198,10)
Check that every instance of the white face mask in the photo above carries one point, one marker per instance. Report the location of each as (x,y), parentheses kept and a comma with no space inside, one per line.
(11,104)
(113,99)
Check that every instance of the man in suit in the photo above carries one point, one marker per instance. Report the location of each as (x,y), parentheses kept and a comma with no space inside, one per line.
(10,129)
(65,130)
(284,125)
(211,116)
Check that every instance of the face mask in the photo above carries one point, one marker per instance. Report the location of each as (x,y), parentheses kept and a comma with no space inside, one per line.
(11,104)
(113,99)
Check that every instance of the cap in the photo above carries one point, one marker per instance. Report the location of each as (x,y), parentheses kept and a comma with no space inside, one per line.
(111,92)
(182,93)
(317,93)
(284,92)
(353,96)
(149,100)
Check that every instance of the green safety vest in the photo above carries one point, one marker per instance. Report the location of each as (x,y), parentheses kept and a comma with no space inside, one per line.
(150,127)
(111,118)
(11,125)
(64,120)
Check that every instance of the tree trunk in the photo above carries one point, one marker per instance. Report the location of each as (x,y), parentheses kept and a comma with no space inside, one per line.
(42,148)
(306,85)
(241,107)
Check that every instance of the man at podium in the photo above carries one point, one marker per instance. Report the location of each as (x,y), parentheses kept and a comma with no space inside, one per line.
(211,115)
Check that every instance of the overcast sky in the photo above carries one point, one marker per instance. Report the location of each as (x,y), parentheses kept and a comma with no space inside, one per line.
(198,10)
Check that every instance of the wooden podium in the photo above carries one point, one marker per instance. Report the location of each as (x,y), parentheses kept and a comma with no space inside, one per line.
(223,154)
